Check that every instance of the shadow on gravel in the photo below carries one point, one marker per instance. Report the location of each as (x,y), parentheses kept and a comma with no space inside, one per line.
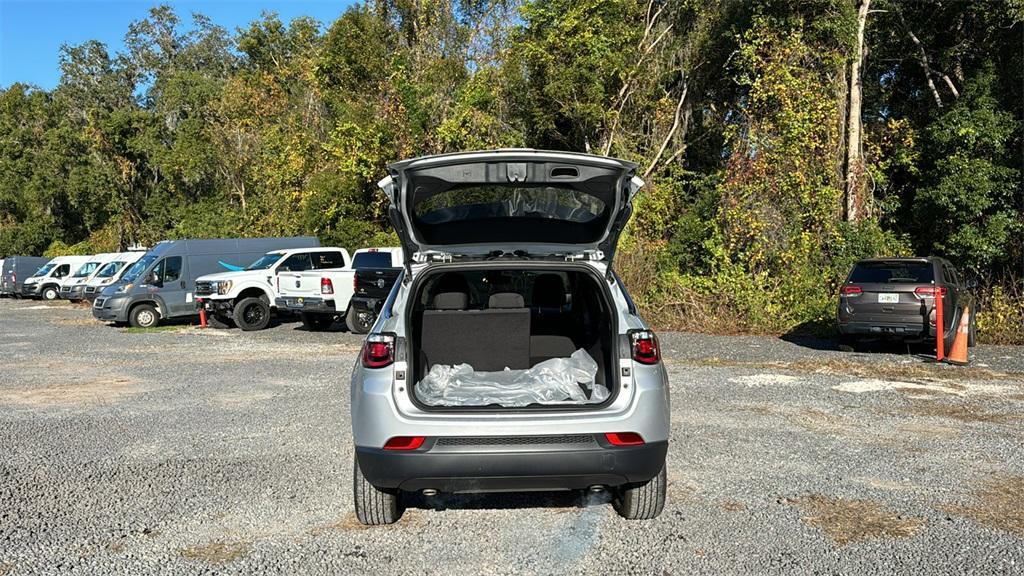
(823,337)
(506,501)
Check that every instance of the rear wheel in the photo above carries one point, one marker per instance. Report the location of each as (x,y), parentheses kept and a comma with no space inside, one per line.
(374,507)
(847,343)
(317,322)
(50,293)
(252,314)
(358,322)
(642,501)
(144,316)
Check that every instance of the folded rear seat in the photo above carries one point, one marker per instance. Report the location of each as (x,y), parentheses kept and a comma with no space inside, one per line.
(488,340)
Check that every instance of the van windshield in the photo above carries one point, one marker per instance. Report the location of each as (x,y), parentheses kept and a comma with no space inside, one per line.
(138,268)
(892,272)
(85,270)
(109,270)
(44,270)
(265,261)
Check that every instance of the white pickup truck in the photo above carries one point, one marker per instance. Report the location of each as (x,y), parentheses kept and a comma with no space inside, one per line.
(247,297)
(322,296)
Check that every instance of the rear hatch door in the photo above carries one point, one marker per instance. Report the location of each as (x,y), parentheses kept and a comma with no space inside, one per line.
(889,290)
(531,202)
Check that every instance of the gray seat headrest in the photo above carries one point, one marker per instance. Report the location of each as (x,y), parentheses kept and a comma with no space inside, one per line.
(451,301)
(506,300)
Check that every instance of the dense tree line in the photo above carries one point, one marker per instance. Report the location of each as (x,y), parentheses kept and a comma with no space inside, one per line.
(781,139)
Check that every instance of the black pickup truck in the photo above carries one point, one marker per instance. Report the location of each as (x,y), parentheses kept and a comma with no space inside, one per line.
(372,286)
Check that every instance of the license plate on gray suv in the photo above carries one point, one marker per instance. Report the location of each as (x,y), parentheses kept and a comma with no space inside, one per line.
(888,298)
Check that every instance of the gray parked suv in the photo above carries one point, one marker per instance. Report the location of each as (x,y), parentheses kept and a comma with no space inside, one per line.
(508,356)
(895,298)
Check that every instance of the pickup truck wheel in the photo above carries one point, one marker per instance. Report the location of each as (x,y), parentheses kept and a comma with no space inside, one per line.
(374,507)
(219,322)
(316,322)
(252,314)
(358,323)
(144,316)
(642,501)
(50,293)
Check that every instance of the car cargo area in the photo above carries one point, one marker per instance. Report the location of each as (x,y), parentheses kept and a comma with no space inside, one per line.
(500,338)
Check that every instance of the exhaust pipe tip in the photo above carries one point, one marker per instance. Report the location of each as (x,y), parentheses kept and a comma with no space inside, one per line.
(429,492)
(596,489)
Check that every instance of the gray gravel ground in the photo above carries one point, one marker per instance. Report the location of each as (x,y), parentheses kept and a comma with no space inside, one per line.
(189,451)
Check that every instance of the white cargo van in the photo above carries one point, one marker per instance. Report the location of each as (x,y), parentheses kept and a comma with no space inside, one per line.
(106,274)
(47,281)
(71,287)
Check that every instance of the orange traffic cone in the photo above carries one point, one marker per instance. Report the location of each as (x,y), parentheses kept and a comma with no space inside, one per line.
(958,352)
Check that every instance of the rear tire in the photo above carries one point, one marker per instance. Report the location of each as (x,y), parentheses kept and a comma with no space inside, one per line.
(847,343)
(374,507)
(355,325)
(144,316)
(252,314)
(642,501)
(50,293)
(316,322)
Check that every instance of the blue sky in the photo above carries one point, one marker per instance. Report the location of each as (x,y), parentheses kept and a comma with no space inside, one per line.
(32,31)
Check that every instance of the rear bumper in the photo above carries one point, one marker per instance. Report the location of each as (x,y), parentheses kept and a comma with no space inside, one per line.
(891,329)
(304,304)
(516,468)
(368,304)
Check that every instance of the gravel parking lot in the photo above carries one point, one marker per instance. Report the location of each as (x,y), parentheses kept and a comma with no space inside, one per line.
(187,451)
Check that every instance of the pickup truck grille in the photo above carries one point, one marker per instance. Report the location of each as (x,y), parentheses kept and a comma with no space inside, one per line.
(90,289)
(204,288)
(65,289)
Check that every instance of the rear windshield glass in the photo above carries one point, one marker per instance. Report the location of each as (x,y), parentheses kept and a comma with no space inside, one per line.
(494,213)
(892,272)
(372,260)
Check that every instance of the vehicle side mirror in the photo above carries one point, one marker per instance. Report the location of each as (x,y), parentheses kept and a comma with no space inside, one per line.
(972,283)
(283,269)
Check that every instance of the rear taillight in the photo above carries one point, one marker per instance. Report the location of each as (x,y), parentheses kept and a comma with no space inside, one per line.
(645,347)
(354,283)
(326,286)
(850,291)
(378,351)
(278,279)
(624,439)
(404,442)
(930,291)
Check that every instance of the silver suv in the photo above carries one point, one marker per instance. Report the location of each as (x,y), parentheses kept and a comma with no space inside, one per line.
(509,356)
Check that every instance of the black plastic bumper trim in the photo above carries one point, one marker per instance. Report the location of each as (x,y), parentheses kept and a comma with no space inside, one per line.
(547,468)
